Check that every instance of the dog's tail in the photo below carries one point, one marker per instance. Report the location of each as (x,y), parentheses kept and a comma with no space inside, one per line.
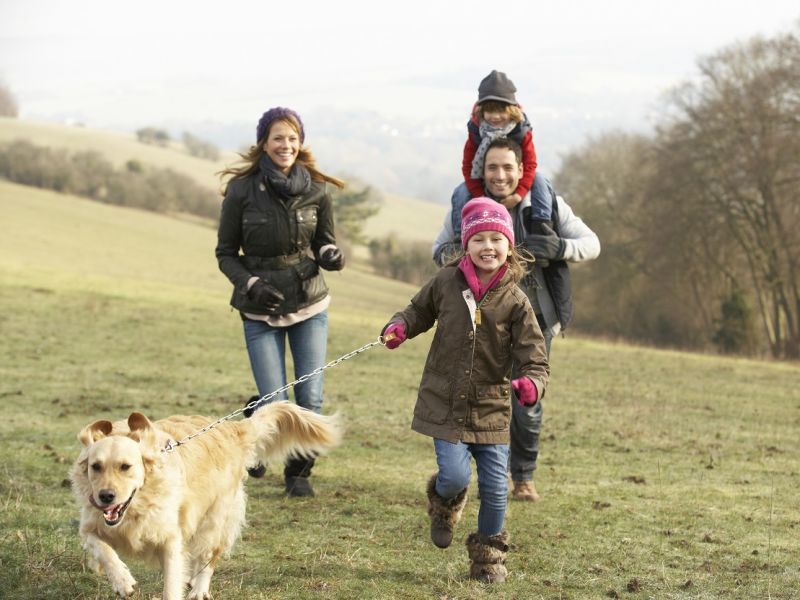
(284,429)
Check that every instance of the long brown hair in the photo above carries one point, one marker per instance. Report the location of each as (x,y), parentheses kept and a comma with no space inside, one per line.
(518,261)
(251,158)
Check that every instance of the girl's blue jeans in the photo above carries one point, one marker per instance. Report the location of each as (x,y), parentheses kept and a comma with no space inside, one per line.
(454,475)
(266,347)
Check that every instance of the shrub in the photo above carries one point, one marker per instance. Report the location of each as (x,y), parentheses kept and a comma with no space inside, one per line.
(88,174)
(404,260)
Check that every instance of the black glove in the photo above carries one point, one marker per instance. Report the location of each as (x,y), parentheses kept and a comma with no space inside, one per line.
(331,260)
(547,245)
(265,294)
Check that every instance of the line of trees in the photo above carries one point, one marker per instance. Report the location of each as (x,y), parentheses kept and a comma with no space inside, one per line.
(700,222)
(138,185)
(194,145)
(90,175)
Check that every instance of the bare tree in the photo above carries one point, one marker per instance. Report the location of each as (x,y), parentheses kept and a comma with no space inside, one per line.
(630,290)
(732,152)
(700,225)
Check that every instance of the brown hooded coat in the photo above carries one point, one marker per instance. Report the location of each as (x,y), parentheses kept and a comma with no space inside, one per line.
(465,391)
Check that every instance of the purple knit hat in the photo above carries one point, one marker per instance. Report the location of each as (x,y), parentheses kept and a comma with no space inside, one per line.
(273,114)
(485,214)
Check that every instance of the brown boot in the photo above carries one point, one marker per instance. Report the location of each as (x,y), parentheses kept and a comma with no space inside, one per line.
(444,513)
(488,557)
(525,491)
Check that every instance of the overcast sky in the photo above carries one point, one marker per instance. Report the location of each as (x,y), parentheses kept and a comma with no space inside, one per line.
(124,64)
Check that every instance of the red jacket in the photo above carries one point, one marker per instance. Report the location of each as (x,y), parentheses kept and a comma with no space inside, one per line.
(521,134)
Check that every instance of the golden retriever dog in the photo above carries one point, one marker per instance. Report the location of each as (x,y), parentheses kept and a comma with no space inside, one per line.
(183,509)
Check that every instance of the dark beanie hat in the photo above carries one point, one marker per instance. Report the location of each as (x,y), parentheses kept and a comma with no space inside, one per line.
(496,86)
(275,114)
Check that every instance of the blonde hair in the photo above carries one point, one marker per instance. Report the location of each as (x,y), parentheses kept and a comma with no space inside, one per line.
(517,260)
(251,158)
(513,111)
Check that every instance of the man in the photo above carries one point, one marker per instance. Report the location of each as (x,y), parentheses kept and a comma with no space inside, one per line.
(547,286)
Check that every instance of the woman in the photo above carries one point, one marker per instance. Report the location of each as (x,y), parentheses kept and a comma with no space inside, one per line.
(278,211)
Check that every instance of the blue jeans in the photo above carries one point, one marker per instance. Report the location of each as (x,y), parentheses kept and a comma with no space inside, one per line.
(266,347)
(526,426)
(454,475)
(542,198)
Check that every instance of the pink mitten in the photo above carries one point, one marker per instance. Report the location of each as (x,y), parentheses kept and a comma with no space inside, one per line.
(526,392)
(394,334)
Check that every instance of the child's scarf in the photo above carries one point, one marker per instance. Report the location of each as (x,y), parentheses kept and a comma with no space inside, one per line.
(479,290)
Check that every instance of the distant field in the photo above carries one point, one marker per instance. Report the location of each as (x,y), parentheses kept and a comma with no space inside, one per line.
(664,475)
(408,217)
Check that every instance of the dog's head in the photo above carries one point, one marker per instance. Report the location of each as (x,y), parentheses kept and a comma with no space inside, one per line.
(115,463)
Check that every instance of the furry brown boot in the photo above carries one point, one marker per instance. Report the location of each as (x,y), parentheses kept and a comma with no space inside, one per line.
(488,556)
(444,513)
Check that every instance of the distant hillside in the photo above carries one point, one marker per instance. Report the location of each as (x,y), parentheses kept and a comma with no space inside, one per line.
(114,146)
(408,217)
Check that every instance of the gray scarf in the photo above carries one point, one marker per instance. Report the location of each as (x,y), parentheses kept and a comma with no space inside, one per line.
(488,135)
(295,183)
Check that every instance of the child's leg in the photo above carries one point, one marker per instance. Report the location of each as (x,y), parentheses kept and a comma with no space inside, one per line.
(447,490)
(488,547)
(541,219)
(542,198)
(492,462)
(454,468)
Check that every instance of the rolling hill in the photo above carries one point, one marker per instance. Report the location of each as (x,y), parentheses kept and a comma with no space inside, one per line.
(411,218)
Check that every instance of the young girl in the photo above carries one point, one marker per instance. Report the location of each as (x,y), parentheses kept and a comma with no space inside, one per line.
(497,114)
(484,323)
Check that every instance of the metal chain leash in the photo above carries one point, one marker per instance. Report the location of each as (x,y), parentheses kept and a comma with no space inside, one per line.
(171,446)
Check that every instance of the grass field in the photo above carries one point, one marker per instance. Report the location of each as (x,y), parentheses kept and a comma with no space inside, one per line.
(663,474)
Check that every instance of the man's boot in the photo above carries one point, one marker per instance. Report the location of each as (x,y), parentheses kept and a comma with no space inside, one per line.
(525,491)
(296,474)
(444,513)
(487,555)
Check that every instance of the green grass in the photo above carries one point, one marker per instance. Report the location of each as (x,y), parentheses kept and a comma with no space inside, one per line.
(663,474)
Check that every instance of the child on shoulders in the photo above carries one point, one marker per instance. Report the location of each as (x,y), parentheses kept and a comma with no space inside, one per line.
(497,114)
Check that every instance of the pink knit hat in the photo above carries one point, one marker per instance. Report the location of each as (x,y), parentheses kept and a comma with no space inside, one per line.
(485,214)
